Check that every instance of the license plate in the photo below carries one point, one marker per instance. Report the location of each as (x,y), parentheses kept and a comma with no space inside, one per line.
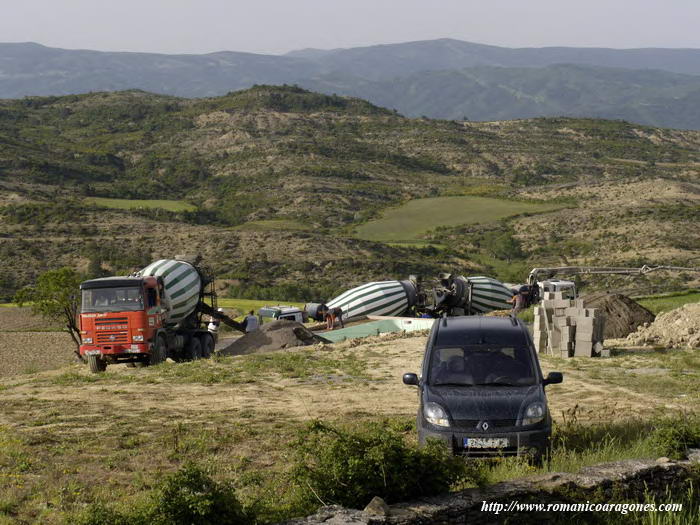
(485,442)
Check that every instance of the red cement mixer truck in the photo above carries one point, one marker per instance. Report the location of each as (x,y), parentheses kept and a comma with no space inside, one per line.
(148,316)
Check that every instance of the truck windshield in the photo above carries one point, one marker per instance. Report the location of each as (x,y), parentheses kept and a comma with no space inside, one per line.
(482,365)
(127,299)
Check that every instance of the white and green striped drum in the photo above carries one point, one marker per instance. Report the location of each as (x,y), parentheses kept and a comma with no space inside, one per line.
(376,298)
(182,286)
(488,294)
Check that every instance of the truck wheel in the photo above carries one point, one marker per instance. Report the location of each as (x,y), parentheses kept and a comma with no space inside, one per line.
(207,343)
(194,349)
(96,364)
(159,351)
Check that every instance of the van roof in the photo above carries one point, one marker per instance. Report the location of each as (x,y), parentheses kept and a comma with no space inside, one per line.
(474,330)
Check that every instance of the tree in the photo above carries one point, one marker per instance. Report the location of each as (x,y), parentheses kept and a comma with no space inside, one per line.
(55,297)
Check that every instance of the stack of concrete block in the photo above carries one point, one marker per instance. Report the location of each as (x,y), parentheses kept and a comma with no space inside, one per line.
(590,325)
(563,327)
(539,333)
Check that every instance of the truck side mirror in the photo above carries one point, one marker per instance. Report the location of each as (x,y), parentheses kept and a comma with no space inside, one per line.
(553,378)
(410,379)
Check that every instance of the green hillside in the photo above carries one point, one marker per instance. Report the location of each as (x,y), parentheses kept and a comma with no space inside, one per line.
(276,179)
(416,218)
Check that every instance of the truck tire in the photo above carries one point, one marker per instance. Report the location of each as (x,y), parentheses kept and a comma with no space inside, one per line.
(194,349)
(207,343)
(96,364)
(159,351)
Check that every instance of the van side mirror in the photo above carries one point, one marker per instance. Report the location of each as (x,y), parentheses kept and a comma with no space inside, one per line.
(410,379)
(553,378)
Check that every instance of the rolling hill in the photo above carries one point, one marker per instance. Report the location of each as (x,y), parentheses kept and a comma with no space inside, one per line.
(270,183)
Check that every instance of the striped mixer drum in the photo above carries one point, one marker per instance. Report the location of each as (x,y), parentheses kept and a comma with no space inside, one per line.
(376,298)
(182,286)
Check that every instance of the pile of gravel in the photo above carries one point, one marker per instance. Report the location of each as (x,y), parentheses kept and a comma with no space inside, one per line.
(622,315)
(679,328)
(273,336)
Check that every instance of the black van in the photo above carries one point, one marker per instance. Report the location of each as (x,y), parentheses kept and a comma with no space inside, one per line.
(481,388)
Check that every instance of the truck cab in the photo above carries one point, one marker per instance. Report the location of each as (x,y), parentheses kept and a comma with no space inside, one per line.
(119,319)
(567,288)
(285,313)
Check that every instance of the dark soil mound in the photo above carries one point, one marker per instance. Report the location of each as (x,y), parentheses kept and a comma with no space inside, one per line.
(622,314)
(273,336)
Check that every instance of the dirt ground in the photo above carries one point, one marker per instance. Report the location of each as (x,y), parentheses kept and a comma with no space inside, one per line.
(592,385)
(102,435)
(29,352)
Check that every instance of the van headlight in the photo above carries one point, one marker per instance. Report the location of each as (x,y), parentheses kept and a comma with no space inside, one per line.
(87,340)
(436,415)
(137,338)
(534,413)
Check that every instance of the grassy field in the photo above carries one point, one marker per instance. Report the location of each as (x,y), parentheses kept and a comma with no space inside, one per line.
(128,204)
(69,438)
(663,303)
(417,217)
(243,306)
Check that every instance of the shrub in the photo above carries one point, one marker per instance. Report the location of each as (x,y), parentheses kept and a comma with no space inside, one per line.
(673,437)
(187,497)
(99,514)
(350,467)
(191,497)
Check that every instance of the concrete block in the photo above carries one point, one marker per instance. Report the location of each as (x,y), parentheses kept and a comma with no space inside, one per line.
(561,303)
(578,303)
(567,346)
(555,339)
(585,332)
(583,349)
(585,322)
(559,312)
(572,311)
(562,321)
(585,338)
(565,354)
(552,296)
(566,333)
(592,312)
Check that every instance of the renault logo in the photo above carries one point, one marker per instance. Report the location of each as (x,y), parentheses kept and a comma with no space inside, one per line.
(485,426)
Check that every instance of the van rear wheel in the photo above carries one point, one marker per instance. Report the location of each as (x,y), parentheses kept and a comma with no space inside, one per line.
(96,364)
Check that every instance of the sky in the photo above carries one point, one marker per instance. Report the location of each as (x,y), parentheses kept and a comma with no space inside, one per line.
(278,26)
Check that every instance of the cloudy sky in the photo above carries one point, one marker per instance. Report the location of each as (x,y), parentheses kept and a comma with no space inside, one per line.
(278,26)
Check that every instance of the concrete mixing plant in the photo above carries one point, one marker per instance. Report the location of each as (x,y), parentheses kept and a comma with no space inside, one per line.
(144,318)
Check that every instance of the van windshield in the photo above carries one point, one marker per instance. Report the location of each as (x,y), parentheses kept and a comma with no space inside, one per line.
(123,299)
(482,365)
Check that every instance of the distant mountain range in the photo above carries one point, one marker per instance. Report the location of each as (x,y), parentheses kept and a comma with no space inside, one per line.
(438,78)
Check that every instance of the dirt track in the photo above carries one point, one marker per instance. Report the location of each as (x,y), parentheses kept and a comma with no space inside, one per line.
(382,392)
